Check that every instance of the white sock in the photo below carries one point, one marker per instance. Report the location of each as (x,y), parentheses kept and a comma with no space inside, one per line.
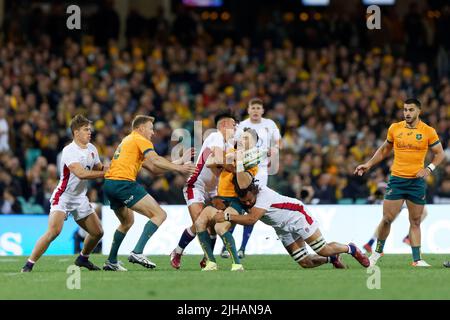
(179,250)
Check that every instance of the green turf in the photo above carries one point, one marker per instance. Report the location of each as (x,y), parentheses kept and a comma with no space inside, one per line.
(266,277)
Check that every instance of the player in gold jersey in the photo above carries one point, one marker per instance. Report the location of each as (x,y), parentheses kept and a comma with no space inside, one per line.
(126,195)
(410,140)
(241,163)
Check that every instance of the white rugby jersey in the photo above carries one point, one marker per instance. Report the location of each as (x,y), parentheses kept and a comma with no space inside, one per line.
(280,210)
(204,177)
(268,134)
(69,184)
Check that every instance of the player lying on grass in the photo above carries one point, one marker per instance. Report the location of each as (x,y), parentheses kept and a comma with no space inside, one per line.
(292,223)
(248,158)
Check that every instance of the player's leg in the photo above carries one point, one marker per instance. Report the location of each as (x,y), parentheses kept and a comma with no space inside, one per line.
(223,230)
(93,227)
(55,224)
(126,219)
(321,247)
(187,236)
(415,217)
(148,207)
(391,209)
(298,251)
(201,226)
(406,239)
(261,176)
(369,244)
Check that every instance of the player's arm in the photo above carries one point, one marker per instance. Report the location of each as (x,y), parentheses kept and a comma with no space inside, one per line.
(249,219)
(77,169)
(154,163)
(438,157)
(382,152)
(186,158)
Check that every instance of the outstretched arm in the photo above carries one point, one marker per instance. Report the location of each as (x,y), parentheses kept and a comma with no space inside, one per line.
(155,163)
(379,156)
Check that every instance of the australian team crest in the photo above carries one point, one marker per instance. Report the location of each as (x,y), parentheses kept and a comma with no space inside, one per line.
(418,136)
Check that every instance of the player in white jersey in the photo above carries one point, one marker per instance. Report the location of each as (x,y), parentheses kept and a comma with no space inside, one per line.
(293,224)
(268,143)
(79,162)
(201,187)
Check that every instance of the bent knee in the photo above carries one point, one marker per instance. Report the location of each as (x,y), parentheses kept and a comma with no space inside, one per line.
(53,233)
(160,216)
(220,229)
(126,225)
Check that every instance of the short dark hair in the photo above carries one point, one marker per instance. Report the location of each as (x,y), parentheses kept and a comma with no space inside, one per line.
(414,101)
(252,132)
(255,101)
(223,115)
(140,120)
(78,122)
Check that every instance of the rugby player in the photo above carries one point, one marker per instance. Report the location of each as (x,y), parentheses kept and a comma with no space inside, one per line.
(79,162)
(410,140)
(239,162)
(269,141)
(201,187)
(293,224)
(126,195)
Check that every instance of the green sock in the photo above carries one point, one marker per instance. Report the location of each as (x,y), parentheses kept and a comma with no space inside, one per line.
(228,241)
(380,246)
(117,241)
(205,242)
(416,253)
(149,229)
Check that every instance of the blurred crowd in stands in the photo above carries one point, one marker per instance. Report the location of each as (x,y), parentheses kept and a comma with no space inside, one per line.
(333,102)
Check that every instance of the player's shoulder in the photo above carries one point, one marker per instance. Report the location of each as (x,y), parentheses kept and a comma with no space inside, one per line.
(426,127)
(244,123)
(92,147)
(71,147)
(397,125)
(213,137)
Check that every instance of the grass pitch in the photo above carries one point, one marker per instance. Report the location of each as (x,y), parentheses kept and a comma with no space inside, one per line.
(266,277)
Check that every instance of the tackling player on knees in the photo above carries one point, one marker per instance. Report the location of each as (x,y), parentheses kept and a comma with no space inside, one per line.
(293,225)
